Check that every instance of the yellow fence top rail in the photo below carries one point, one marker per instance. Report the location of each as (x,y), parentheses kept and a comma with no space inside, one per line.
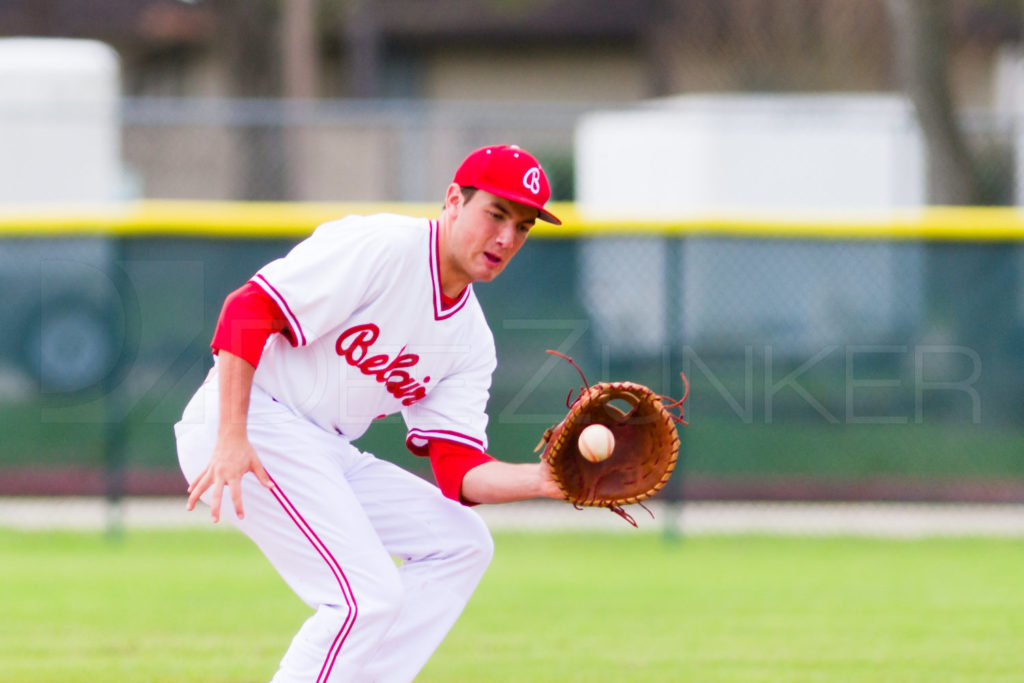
(184,218)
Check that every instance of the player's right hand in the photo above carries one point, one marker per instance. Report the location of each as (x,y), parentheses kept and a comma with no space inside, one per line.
(232,458)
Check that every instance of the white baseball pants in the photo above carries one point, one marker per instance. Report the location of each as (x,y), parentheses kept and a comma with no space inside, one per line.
(331,526)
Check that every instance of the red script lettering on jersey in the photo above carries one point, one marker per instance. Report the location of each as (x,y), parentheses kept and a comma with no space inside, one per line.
(354,346)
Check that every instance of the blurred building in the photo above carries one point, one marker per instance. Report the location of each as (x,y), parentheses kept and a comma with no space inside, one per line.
(546,49)
(406,87)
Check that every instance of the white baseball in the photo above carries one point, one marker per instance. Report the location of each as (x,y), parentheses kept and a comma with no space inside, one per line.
(596,443)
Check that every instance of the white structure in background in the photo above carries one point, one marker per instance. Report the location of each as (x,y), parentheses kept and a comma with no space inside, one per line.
(1008,90)
(760,155)
(60,143)
(59,120)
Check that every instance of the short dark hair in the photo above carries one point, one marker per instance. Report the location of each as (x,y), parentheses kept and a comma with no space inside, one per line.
(467,193)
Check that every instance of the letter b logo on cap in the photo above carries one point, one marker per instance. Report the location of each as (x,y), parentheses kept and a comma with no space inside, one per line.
(531,181)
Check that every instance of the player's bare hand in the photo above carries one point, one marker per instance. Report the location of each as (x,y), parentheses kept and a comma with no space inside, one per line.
(232,458)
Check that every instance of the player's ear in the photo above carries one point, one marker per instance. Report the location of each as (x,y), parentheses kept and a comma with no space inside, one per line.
(453,198)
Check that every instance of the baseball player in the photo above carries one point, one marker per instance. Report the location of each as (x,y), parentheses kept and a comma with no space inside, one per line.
(367,317)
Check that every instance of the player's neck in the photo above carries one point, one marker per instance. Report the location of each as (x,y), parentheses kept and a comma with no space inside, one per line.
(452,285)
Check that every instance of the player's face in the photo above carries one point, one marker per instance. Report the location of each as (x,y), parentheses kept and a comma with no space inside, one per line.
(484,234)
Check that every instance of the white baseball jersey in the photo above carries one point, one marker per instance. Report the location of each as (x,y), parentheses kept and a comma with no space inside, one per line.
(362,296)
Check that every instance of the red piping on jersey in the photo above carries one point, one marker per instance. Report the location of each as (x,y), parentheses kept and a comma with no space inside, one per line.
(443,435)
(441,312)
(248,318)
(293,322)
(339,574)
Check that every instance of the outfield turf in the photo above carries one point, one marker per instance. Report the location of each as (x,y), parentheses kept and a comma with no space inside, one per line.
(204,606)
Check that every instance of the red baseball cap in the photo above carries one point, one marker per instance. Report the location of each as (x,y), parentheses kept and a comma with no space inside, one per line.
(510,172)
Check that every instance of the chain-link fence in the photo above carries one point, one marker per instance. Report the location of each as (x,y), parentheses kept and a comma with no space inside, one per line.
(819,369)
(385,150)
(333,150)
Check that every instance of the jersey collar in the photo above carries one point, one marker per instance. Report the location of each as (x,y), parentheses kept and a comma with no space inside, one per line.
(444,306)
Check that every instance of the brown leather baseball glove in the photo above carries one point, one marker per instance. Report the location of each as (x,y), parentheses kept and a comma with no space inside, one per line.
(646,444)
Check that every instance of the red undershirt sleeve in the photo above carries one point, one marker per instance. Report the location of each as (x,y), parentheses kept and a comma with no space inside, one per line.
(247,319)
(450,462)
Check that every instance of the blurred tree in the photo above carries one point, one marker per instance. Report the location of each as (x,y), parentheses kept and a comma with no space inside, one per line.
(961,315)
(300,61)
(922,47)
(361,35)
(299,54)
(248,37)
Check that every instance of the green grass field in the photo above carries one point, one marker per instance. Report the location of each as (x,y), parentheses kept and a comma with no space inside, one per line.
(205,606)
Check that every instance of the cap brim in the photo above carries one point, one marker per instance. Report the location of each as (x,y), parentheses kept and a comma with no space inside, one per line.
(548,216)
(542,213)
